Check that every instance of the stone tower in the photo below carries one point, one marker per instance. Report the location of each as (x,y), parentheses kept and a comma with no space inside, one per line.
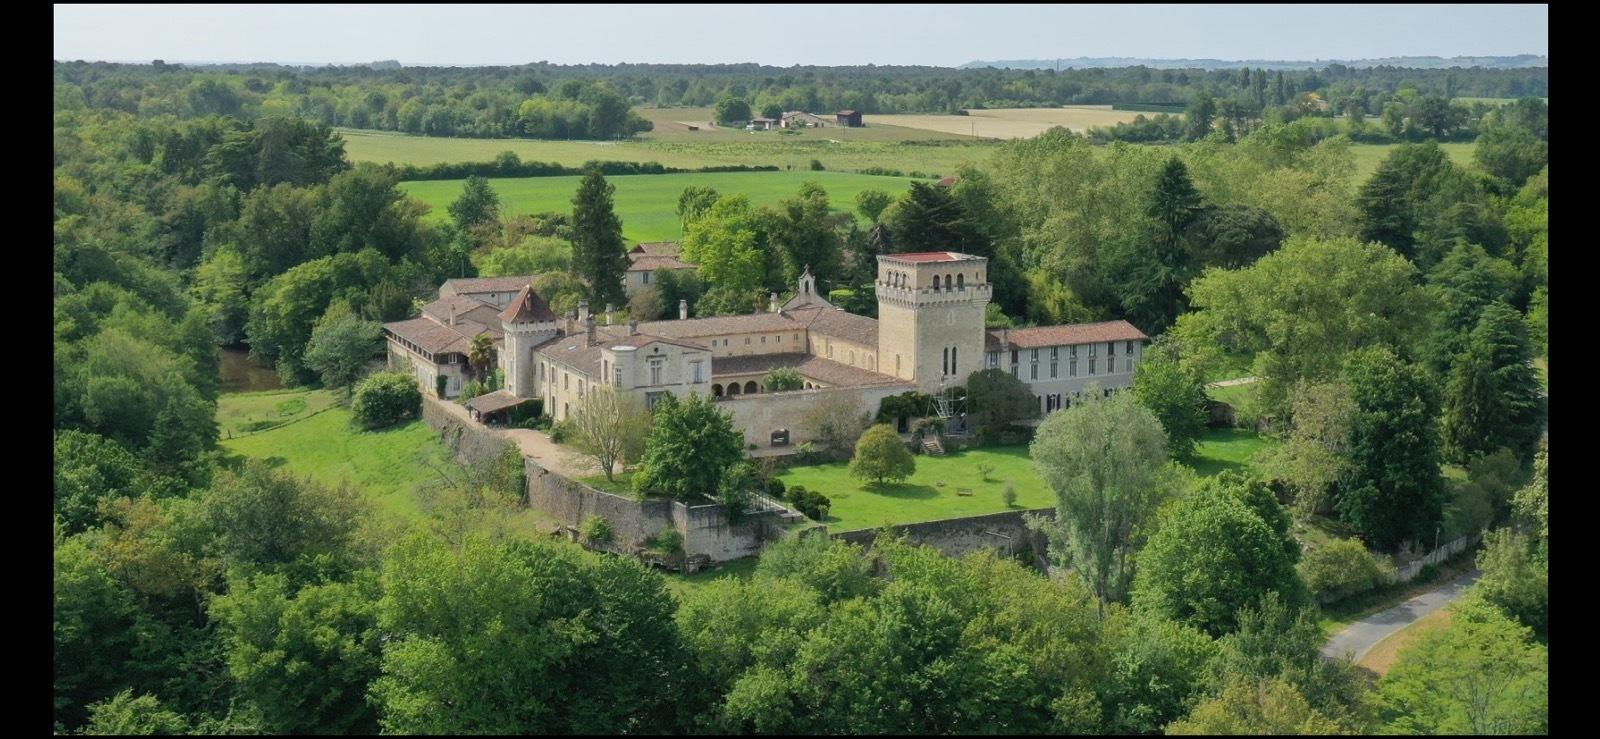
(930,316)
(527,323)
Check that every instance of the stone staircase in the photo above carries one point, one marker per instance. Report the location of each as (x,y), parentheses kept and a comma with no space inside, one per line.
(932,448)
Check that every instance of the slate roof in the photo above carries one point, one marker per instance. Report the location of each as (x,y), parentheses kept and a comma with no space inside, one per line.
(651,262)
(1077,333)
(837,324)
(695,328)
(439,310)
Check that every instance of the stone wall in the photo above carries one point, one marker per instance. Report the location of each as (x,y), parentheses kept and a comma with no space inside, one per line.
(757,415)
(705,528)
(1006,533)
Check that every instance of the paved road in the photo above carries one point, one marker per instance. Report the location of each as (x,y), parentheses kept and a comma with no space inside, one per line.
(1361,636)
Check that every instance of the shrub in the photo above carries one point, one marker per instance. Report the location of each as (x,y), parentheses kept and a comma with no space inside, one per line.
(923,428)
(782,379)
(669,541)
(813,505)
(562,431)
(984,468)
(385,398)
(596,528)
(1341,567)
(471,390)
(1009,494)
(775,488)
(816,165)
(439,384)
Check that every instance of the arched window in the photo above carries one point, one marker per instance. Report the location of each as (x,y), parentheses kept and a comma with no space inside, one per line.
(733,389)
(716,391)
(947,282)
(961,281)
(750,387)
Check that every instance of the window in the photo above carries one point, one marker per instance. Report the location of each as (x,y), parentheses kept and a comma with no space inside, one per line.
(566,381)
(780,338)
(566,410)
(1052,370)
(1128,349)
(1111,364)
(1014,354)
(655,370)
(1111,348)
(1072,351)
(946,365)
(1054,352)
(650,400)
(763,339)
(1034,355)
(1072,368)
(1091,365)
(1013,370)
(953,369)
(1092,348)
(619,377)
(1033,371)
(580,387)
(645,278)
(747,341)
(694,371)
(994,359)
(1130,366)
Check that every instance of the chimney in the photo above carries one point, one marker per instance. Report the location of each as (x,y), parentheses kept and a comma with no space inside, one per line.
(588,329)
(452,312)
(1005,339)
(633,327)
(772,303)
(583,311)
(683,309)
(571,325)
(609,309)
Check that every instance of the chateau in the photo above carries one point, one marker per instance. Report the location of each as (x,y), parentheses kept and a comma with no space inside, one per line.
(929,334)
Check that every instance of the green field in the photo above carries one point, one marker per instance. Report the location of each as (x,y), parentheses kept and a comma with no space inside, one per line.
(384,464)
(1369,155)
(920,498)
(241,414)
(1228,449)
(647,204)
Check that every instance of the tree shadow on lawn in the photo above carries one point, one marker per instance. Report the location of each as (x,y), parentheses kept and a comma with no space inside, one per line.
(1207,467)
(901,491)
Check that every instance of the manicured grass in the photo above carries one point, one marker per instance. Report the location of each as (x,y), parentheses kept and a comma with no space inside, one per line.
(241,414)
(647,204)
(621,484)
(1385,653)
(1228,449)
(384,463)
(388,147)
(681,584)
(860,506)
(1238,396)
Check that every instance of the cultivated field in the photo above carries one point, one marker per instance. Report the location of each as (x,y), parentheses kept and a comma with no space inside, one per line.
(1368,156)
(647,204)
(672,124)
(1016,123)
(387,147)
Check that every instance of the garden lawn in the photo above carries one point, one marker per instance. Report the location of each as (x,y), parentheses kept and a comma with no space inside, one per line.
(647,204)
(1228,449)
(856,505)
(384,464)
(240,414)
(681,585)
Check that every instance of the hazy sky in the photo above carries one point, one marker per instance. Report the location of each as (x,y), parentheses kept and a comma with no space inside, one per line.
(786,33)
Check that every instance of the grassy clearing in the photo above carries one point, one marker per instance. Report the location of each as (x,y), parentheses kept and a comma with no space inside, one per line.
(1383,655)
(920,498)
(384,464)
(1228,449)
(1368,156)
(621,485)
(242,414)
(1011,123)
(387,147)
(647,204)
(681,585)
(1238,396)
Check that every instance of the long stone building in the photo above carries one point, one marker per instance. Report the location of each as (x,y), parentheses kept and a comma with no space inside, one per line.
(930,334)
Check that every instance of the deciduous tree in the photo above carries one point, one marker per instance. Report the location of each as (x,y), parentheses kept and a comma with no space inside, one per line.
(692,444)
(610,427)
(881,456)
(1392,491)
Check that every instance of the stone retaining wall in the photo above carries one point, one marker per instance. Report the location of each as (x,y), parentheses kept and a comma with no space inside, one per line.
(1006,533)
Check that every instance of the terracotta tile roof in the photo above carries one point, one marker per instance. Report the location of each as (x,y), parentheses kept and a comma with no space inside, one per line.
(527,307)
(838,324)
(641,341)
(438,338)
(1077,333)
(811,367)
(467,285)
(574,351)
(649,262)
(498,400)
(695,328)
(439,310)
(931,256)
(655,248)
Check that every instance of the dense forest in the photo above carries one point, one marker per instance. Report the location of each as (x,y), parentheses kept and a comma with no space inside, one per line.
(593,101)
(1393,319)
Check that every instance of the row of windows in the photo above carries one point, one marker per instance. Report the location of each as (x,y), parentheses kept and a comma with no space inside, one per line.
(776,340)
(1055,367)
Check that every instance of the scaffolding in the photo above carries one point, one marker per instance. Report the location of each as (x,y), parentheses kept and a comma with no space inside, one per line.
(950,409)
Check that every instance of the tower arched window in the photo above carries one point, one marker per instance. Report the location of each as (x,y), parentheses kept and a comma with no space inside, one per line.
(961,281)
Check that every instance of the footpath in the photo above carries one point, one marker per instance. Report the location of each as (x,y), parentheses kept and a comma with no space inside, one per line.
(1360,637)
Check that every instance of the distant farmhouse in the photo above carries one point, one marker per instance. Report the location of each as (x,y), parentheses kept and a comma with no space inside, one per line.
(646,260)
(930,334)
(801,119)
(849,118)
